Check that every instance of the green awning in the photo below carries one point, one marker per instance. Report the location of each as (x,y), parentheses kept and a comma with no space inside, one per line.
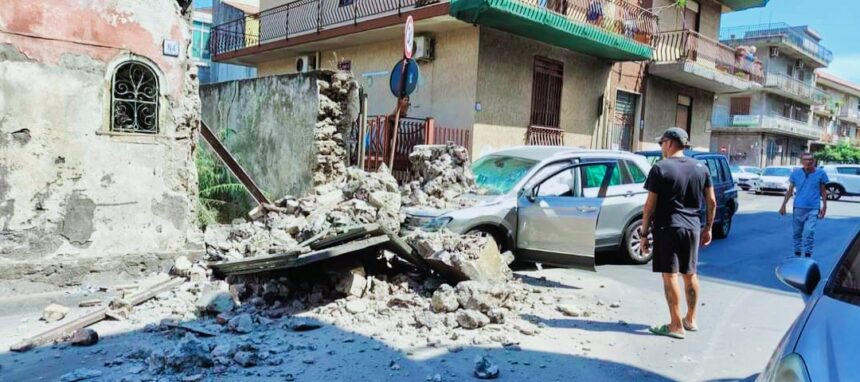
(544,25)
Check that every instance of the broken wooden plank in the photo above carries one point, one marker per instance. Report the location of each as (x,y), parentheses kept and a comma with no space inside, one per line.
(192,329)
(349,235)
(284,261)
(405,251)
(313,239)
(67,328)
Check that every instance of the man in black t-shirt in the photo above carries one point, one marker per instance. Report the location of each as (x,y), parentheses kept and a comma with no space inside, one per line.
(677,186)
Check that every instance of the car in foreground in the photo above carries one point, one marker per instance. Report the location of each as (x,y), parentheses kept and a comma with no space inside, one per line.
(773,180)
(744,176)
(542,203)
(724,187)
(822,343)
(844,180)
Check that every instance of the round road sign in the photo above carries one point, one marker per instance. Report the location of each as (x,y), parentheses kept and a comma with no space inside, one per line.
(408,37)
(404,81)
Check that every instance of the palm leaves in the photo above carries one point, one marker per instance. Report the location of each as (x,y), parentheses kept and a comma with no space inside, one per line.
(221,197)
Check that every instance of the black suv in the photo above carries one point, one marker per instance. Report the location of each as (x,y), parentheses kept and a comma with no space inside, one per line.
(724,187)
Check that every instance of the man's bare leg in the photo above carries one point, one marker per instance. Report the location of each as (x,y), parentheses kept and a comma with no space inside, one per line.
(673,299)
(691,293)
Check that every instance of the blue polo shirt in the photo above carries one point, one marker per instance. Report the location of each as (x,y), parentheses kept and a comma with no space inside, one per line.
(808,187)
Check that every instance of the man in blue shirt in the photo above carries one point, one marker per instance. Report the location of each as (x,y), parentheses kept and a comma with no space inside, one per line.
(810,203)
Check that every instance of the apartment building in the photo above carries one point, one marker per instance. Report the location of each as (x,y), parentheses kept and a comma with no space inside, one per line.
(772,125)
(512,72)
(839,116)
(203,17)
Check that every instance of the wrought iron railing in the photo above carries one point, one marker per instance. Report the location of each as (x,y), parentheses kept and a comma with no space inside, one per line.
(544,136)
(299,18)
(776,123)
(790,35)
(794,86)
(688,45)
(615,16)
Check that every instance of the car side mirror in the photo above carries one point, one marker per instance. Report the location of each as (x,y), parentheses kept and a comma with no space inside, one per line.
(799,273)
(531,194)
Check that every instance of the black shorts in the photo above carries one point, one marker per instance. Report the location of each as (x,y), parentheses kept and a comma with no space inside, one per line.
(676,250)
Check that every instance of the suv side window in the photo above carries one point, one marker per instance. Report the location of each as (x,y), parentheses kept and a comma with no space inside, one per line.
(713,169)
(635,172)
(560,184)
(727,174)
(592,176)
(848,170)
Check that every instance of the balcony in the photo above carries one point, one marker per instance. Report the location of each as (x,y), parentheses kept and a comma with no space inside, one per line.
(304,25)
(789,87)
(739,5)
(850,115)
(687,57)
(781,35)
(774,124)
(608,29)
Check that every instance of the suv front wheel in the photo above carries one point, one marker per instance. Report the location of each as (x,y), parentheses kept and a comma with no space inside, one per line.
(834,192)
(632,243)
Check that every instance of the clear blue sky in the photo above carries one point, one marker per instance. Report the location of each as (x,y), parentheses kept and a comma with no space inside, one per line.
(838,22)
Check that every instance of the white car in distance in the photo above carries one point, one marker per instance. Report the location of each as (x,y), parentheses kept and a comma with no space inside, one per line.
(773,180)
(744,176)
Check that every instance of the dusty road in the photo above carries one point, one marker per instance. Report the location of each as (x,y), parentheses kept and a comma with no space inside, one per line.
(744,313)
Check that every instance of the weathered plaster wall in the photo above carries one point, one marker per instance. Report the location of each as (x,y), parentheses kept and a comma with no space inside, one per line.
(505,72)
(270,122)
(74,197)
(446,89)
(660,111)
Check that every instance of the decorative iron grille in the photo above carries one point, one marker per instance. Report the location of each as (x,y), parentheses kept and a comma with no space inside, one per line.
(134,100)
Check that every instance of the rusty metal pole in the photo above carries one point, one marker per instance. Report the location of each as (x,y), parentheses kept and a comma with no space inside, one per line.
(362,127)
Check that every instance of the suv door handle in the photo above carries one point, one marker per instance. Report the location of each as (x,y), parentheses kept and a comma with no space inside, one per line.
(586,209)
(629,194)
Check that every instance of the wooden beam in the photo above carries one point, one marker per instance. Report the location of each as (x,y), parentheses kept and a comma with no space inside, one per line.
(234,166)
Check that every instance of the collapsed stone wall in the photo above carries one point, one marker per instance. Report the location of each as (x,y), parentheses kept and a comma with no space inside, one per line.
(74,196)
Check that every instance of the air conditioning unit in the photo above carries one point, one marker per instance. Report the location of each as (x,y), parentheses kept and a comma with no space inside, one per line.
(423,49)
(774,51)
(306,63)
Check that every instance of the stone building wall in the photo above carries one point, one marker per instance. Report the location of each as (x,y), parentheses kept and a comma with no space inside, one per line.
(77,197)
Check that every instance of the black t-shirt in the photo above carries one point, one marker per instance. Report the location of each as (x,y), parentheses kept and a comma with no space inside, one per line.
(679,183)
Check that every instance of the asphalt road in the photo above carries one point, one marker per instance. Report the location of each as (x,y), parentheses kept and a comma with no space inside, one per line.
(744,312)
(744,309)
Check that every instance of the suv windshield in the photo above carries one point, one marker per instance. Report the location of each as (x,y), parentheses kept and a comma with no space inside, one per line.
(497,174)
(845,282)
(771,171)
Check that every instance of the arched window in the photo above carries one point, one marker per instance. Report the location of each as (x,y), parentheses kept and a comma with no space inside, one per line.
(134,99)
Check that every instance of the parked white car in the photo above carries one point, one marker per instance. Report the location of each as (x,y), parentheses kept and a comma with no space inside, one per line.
(744,176)
(844,180)
(774,179)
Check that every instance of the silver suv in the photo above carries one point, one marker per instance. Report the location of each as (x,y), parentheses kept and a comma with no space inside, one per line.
(543,203)
(844,180)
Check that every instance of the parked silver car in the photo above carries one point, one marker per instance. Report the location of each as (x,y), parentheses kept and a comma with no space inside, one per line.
(844,180)
(543,202)
(744,176)
(822,343)
(773,179)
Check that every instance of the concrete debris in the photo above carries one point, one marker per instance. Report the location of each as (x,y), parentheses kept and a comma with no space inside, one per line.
(188,355)
(569,310)
(54,312)
(215,298)
(84,337)
(484,369)
(442,175)
(241,324)
(615,305)
(472,319)
(445,299)
(461,257)
(181,266)
(82,374)
(353,282)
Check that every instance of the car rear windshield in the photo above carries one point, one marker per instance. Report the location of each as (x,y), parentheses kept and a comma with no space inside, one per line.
(845,281)
(735,169)
(776,172)
(497,174)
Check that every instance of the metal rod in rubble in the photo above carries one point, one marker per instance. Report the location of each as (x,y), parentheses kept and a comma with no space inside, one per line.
(362,127)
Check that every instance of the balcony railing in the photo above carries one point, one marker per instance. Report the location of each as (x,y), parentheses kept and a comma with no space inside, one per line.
(795,87)
(777,123)
(790,35)
(688,45)
(299,18)
(852,114)
(616,16)
(544,136)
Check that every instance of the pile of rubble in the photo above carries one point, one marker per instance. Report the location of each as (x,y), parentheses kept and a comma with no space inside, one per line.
(442,176)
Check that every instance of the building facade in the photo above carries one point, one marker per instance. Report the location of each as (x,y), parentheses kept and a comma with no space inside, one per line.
(772,125)
(91,109)
(839,116)
(203,16)
(517,72)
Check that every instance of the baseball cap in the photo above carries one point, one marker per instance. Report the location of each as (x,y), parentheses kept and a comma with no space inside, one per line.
(675,133)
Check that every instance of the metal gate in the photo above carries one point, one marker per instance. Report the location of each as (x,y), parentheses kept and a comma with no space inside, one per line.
(625,120)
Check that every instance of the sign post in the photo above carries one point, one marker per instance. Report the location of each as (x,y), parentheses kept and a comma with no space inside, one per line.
(408,40)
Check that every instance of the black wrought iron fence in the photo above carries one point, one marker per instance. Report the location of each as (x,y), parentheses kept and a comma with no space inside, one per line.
(299,18)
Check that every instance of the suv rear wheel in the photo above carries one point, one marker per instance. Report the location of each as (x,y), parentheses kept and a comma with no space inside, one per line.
(722,230)
(632,243)
(834,192)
